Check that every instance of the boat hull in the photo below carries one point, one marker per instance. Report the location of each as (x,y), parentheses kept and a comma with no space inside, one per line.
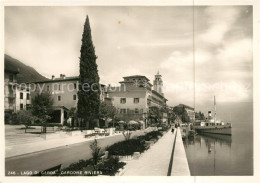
(224,130)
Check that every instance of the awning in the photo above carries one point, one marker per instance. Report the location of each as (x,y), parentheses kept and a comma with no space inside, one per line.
(133,122)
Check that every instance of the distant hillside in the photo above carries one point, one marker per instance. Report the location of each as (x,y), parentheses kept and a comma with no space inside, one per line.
(26,73)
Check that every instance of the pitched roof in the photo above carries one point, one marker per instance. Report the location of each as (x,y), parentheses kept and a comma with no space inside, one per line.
(58,80)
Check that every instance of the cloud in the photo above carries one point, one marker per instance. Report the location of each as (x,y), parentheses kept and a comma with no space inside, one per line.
(147,39)
(178,61)
(220,21)
(236,52)
(183,61)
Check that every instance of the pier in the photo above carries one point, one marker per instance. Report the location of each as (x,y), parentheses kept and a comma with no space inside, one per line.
(180,163)
(167,157)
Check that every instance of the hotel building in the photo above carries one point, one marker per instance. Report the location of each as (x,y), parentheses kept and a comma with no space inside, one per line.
(135,96)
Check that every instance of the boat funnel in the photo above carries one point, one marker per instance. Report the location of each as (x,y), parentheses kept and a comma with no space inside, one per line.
(209,115)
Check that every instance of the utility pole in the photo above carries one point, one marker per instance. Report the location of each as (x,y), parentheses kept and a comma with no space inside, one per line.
(215,110)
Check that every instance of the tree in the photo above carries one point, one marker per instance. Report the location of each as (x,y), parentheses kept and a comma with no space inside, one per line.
(185,117)
(89,91)
(42,108)
(106,111)
(182,113)
(155,115)
(25,117)
(199,116)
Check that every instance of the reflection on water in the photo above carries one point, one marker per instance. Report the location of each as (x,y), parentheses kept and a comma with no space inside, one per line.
(212,154)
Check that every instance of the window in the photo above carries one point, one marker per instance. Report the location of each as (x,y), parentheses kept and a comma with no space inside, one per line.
(136,111)
(59,98)
(123,100)
(21,106)
(122,111)
(136,100)
(74,97)
(28,96)
(27,89)
(75,85)
(11,77)
(59,87)
(21,95)
(48,88)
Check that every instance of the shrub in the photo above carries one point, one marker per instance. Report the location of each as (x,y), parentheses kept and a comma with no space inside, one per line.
(80,165)
(95,151)
(25,117)
(128,147)
(13,119)
(153,135)
(7,118)
(110,166)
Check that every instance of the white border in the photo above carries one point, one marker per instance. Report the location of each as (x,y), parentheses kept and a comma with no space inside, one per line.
(197,179)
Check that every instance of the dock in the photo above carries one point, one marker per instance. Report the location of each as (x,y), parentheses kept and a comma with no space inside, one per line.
(167,157)
(180,166)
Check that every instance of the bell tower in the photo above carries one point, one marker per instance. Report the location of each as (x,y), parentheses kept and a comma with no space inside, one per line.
(158,83)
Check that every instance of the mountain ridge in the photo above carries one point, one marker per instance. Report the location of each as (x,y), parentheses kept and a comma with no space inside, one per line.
(26,73)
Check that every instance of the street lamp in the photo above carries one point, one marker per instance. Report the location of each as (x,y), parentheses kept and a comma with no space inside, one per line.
(145,120)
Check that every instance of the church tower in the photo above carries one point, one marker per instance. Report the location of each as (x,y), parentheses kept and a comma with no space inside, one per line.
(158,83)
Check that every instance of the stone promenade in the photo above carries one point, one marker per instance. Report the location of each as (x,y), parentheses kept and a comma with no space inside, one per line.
(162,159)
(155,161)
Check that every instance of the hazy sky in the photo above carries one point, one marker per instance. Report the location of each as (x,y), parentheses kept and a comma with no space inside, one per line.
(143,40)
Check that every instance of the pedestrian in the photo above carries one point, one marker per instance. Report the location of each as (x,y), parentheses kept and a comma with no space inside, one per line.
(172,130)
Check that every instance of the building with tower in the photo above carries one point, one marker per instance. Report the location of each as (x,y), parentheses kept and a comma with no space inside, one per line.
(135,97)
(158,83)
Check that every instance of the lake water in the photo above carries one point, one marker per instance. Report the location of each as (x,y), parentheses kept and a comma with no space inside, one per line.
(221,154)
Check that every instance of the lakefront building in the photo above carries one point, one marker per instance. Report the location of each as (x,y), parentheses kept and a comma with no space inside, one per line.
(10,82)
(63,91)
(190,111)
(135,95)
(16,96)
(23,97)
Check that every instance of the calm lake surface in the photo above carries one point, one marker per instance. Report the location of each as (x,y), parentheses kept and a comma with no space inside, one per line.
(221,154)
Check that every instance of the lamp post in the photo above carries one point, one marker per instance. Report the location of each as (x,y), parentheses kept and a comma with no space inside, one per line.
(145,120)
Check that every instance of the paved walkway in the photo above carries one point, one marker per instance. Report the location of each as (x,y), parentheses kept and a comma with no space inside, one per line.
(180,166)
(14,135)
(155,161)
(41,145)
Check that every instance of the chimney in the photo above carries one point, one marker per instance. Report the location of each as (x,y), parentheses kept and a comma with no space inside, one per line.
(52,77)
(62,76)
